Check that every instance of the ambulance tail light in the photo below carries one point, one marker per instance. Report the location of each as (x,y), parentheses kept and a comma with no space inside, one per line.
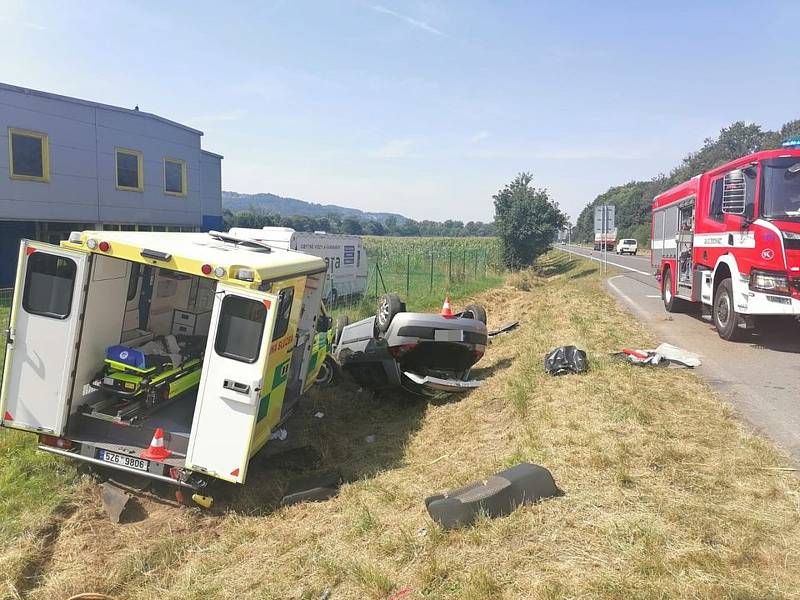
(769,282)
(55,442)
(207,269)
(104,246)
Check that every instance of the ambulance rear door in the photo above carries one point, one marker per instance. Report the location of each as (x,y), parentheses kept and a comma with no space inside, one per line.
(42,337)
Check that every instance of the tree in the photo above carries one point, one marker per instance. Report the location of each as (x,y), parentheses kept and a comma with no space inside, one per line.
(527,221)
(353,226)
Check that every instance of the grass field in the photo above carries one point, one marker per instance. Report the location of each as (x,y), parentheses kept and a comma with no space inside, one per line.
(666,495)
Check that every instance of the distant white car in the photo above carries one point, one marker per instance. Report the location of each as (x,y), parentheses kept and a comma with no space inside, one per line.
(627,247)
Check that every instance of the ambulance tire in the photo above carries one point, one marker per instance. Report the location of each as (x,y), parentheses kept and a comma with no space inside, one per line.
(328,372)
(726,319)
(671,303)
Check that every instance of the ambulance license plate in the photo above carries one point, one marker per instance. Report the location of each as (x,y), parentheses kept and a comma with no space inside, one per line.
(132,462)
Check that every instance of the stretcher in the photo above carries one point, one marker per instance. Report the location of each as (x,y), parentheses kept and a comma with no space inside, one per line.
(138,379)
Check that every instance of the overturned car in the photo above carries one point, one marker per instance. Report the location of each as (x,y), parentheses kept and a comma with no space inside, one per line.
(426,354)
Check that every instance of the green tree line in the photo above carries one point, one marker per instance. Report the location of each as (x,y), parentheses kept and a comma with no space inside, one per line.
(334,223)
(633,199)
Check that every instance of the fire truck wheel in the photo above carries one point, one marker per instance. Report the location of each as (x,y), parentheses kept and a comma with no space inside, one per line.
(671,303)
(725,315)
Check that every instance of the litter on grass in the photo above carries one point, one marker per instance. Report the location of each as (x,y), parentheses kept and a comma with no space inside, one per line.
(666,355)
(566,359)
(279,434)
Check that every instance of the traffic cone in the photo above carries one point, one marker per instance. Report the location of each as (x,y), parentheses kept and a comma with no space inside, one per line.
(447,312)
(157,450)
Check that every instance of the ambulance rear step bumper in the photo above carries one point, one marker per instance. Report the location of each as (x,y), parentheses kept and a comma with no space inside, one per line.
(101,463)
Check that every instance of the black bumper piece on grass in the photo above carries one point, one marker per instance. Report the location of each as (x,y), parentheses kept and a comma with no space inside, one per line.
(500,495)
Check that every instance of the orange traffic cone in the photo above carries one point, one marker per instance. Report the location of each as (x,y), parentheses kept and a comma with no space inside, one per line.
(447,312)
(157,450)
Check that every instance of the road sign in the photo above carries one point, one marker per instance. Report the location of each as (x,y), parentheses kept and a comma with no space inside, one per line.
(604,218)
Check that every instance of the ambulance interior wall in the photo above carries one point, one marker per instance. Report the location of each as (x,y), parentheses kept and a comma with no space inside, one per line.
(102,322)
(110,318)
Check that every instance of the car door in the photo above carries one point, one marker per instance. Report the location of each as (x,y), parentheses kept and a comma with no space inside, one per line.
(232,382)
(46,316)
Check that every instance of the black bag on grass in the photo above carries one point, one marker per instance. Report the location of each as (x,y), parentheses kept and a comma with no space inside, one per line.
(566,359)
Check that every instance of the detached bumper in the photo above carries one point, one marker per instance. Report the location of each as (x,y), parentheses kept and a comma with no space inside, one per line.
(437,384)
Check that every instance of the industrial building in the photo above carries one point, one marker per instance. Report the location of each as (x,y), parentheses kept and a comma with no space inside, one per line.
(68,164)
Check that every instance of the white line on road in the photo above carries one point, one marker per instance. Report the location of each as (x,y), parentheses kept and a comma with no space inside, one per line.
(652,296)
(623,295)
(609,262)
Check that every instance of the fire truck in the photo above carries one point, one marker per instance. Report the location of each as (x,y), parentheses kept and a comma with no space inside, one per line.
(729,240)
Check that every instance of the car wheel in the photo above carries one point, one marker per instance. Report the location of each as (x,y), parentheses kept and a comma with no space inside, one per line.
(342,321)
(726,318)
(475,311)
(671,303)
(634,252)
(327,372)
(388,306)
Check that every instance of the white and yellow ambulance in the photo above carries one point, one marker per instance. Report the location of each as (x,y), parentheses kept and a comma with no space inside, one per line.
(207,339)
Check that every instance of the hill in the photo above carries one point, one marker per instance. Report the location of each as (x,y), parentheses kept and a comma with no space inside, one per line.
(633,199)
(274,204)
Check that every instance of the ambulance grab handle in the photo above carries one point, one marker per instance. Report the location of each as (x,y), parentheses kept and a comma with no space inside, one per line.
(235,386)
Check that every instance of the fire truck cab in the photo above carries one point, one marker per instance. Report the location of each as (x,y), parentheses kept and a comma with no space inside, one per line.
(729,240)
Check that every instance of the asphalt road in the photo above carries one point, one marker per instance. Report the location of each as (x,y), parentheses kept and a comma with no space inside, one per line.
(757,376)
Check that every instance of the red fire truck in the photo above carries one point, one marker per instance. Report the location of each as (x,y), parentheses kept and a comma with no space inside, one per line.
(729,240)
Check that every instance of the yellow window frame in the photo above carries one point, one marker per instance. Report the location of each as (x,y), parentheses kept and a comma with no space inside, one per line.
(139,169)
(184,177)
(45,142)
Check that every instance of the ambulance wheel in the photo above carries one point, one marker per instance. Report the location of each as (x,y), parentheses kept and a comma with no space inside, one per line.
(725,317)
(475,311)
(388,306)
(671,303)
(327,372)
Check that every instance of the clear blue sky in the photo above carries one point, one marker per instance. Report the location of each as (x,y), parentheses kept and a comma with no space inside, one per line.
(423,108)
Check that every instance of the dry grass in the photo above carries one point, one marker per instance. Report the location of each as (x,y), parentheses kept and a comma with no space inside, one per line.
(666,496)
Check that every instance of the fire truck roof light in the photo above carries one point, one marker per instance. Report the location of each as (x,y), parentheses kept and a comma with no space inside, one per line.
(792,142)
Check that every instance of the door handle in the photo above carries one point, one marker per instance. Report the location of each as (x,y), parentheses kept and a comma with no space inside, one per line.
(10,336)
(235,386)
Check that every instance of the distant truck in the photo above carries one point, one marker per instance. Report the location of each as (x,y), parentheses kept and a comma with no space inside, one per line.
(343,254)
(606,240)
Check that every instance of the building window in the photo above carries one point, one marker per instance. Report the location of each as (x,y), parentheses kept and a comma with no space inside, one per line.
(28,155)
(174,177)
(130,176)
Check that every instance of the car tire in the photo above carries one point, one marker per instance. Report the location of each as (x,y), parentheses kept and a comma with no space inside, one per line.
(342,321)
(475,311)
(671,303)
(634,252)
(388,306)
(726,319)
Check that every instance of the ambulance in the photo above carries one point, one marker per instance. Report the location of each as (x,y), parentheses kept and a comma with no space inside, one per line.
(169,355)
(343,254)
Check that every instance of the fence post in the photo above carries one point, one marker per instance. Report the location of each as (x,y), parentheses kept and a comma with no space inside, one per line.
(476,262)
(431,271)
(408,273)
(464,270)
(376,281)
(449,268)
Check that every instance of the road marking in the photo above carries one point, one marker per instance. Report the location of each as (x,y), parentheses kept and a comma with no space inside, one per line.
(623,295)
(652,296)
(609,262)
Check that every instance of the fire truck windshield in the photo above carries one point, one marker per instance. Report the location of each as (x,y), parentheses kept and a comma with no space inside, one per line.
(781,188)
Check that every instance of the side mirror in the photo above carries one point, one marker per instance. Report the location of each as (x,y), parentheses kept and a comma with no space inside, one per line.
(324,323)
(733,193)
(749,213)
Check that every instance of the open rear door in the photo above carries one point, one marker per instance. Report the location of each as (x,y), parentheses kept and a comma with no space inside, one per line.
(42,337)
(232,382)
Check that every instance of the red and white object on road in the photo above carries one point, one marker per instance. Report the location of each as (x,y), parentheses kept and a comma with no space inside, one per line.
(447,310)
(157,449)
(729,240)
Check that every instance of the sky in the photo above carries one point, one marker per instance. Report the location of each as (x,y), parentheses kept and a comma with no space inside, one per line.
(422,108)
